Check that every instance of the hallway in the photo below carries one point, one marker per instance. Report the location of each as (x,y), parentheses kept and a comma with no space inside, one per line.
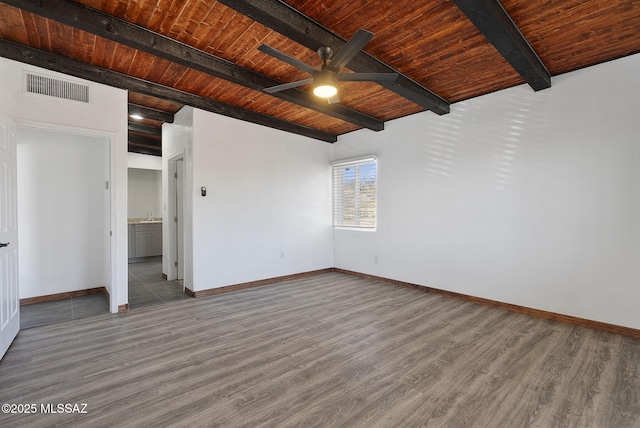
(148,288)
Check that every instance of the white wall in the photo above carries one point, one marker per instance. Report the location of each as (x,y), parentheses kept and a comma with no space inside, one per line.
(268,197)
(64,209)
(140,161)
(145,193)
(105,116)
(521,197)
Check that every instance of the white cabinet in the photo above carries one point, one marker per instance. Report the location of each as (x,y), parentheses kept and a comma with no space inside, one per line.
(145,240)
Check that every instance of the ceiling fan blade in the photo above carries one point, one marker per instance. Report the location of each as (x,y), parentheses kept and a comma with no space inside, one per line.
(349,50)
(334,99)
(287,58)
(285,86)
(367,77)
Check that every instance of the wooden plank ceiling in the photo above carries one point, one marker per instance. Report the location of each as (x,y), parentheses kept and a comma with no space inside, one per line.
(205,53)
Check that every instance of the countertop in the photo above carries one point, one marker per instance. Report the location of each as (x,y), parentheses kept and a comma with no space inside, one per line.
(145,220)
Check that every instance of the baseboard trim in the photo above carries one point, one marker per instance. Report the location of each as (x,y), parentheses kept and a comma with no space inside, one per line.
(60,296)
(235,287)
(567,319)
(121,308)
(385,280)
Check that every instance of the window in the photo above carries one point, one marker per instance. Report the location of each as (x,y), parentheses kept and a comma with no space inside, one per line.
(354,193)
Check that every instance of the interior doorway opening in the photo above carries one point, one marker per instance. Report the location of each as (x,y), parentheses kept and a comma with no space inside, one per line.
(64,209)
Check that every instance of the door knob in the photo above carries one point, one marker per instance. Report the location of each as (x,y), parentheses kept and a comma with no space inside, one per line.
(4,245)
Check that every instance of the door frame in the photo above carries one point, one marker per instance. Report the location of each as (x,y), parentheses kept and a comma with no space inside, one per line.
(116,262)
(171,233)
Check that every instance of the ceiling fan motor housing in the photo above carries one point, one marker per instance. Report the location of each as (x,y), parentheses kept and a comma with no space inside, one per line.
(325,53)
(325,83)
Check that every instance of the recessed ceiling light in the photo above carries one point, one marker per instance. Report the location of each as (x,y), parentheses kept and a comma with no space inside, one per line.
(136,116)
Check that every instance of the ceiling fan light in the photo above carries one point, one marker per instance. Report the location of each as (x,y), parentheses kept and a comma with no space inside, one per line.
(325,84)
(325,91)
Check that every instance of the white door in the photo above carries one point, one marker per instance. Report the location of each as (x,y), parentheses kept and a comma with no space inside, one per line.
(9,298)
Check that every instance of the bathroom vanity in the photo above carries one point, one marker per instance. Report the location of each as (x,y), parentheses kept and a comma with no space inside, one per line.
(145,238)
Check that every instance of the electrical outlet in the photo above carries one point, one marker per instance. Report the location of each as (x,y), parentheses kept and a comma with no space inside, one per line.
(375,260)
(282,254)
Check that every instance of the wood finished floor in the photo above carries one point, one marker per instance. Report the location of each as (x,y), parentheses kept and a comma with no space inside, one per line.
(330,350)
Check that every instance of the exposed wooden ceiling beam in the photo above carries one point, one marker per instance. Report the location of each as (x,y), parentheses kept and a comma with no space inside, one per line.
(110,27)
(152,143)
(493,21)
(90,72)
(143,149)
(144,129)
(144,145)
(289,22)
(150,113)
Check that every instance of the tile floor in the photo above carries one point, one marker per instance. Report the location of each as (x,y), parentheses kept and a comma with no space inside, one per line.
(56,311)
(146,288)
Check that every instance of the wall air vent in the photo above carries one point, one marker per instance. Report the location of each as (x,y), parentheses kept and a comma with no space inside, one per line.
(51,87)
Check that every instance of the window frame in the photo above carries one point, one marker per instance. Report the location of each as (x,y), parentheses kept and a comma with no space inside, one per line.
(357,162)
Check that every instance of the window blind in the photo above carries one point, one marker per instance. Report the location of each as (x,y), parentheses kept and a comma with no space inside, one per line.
(355,193)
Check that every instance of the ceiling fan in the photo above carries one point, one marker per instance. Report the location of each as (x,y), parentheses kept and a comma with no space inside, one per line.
(325,81)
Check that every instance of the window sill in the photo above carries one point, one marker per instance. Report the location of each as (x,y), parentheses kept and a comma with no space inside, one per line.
(356,229)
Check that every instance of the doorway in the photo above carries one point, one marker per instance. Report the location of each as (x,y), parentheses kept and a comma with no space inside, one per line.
(64,206)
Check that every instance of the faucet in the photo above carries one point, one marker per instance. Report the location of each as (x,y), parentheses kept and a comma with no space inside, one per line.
(149,216)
